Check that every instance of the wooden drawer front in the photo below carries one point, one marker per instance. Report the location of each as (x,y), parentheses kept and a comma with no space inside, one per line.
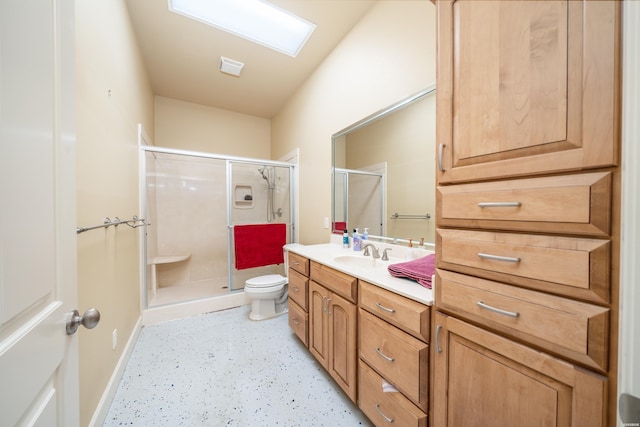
(400,358)
(298,288)
(565,265)
(299,322)
(576,204)
(408,315)
(573,329)
(336,281)
(383,408)
(299,263)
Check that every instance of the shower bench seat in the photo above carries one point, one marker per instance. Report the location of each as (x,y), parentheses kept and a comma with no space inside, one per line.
(165,259)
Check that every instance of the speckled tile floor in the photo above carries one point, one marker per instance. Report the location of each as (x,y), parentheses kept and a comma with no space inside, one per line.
(222,369)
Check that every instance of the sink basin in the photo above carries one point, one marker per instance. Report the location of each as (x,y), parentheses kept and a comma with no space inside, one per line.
(356,261)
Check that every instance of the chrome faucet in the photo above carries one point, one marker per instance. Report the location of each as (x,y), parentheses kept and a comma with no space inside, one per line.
(374,251)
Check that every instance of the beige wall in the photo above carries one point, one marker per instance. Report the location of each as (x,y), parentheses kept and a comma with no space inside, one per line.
(188,126)
(388,56)
(113,96)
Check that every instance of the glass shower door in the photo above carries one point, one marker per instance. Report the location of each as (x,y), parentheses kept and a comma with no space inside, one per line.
(259,195)
(186,243)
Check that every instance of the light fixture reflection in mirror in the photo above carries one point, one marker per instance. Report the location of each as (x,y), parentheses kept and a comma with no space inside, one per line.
(384,172)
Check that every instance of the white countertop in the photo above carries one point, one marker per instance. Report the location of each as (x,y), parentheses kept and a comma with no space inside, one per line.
(376,274)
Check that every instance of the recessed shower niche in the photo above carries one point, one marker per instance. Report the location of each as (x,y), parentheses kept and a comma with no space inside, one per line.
(243,196)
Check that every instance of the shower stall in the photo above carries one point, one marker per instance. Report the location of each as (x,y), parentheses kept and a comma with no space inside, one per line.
(192,201)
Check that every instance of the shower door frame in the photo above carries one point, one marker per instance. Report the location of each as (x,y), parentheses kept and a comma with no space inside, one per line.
(382,194)
(144,148)
(291,225)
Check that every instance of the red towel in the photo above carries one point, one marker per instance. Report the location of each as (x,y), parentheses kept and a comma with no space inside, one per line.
(257,245)
(420,269)
(339,227)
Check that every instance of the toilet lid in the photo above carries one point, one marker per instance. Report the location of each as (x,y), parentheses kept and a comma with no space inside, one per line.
(265,281)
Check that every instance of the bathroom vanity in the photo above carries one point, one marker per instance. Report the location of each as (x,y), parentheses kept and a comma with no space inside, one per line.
(527,210)
(368,329)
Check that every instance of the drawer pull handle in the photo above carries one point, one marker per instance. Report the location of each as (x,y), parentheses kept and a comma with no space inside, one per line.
(387,419)
(438,329)
(295,289)
(295,263)
(384,356)
(382,307)
(294,320)
(499,204)
(440,149)
(497,310)
(498,257)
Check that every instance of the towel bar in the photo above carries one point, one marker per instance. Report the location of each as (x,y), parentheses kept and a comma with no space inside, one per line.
(108,222)
(401,216)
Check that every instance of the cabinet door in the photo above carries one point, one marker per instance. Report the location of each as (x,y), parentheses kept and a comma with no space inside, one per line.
(318,335)
(526,87)
(343,357)
(483,379)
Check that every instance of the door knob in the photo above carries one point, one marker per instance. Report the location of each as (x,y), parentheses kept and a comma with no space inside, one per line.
(89,320)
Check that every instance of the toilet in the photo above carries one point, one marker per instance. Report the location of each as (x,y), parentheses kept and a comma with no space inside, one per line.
(268,295)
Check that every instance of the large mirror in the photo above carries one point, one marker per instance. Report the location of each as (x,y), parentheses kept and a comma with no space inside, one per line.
(383,173)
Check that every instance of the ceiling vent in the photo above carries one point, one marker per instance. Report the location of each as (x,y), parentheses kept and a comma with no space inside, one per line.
(230,66)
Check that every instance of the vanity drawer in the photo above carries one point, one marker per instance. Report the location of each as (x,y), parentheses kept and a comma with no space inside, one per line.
(400,358)
(406,314)
(298,288)
(336,281)
(299,322)
(575,204)
(383,408)
(570,266)
(570,328)
(298,263)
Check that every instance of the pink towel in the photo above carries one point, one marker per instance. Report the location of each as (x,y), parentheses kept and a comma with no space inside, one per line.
(257,245)
(420,270)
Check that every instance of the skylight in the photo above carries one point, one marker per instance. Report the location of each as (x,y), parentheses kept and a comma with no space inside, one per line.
(255,20)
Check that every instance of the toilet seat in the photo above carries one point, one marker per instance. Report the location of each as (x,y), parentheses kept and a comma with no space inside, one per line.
(267,282)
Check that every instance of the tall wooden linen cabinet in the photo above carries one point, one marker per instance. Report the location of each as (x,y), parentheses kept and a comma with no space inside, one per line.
(526,294)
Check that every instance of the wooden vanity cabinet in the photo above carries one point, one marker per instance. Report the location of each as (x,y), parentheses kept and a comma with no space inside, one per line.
(393,346)
(527,207)
(483,379)
(333,323)
(298,300)
(526,87)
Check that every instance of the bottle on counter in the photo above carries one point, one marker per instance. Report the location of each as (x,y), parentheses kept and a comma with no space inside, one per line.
(357,241)
(365,235)
(345,239)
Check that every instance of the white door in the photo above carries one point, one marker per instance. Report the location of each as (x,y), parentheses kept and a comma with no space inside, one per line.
(38,361)
(629,339)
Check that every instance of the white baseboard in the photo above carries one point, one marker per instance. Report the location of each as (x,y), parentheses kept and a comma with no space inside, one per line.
(112,386)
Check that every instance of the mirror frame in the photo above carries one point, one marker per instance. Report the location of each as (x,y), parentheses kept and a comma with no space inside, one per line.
(357,125)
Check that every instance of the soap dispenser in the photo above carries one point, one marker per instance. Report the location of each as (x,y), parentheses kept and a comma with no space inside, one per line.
(357,242)
(365,235)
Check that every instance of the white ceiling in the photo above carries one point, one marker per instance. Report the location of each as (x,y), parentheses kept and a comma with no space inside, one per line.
(182,55)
